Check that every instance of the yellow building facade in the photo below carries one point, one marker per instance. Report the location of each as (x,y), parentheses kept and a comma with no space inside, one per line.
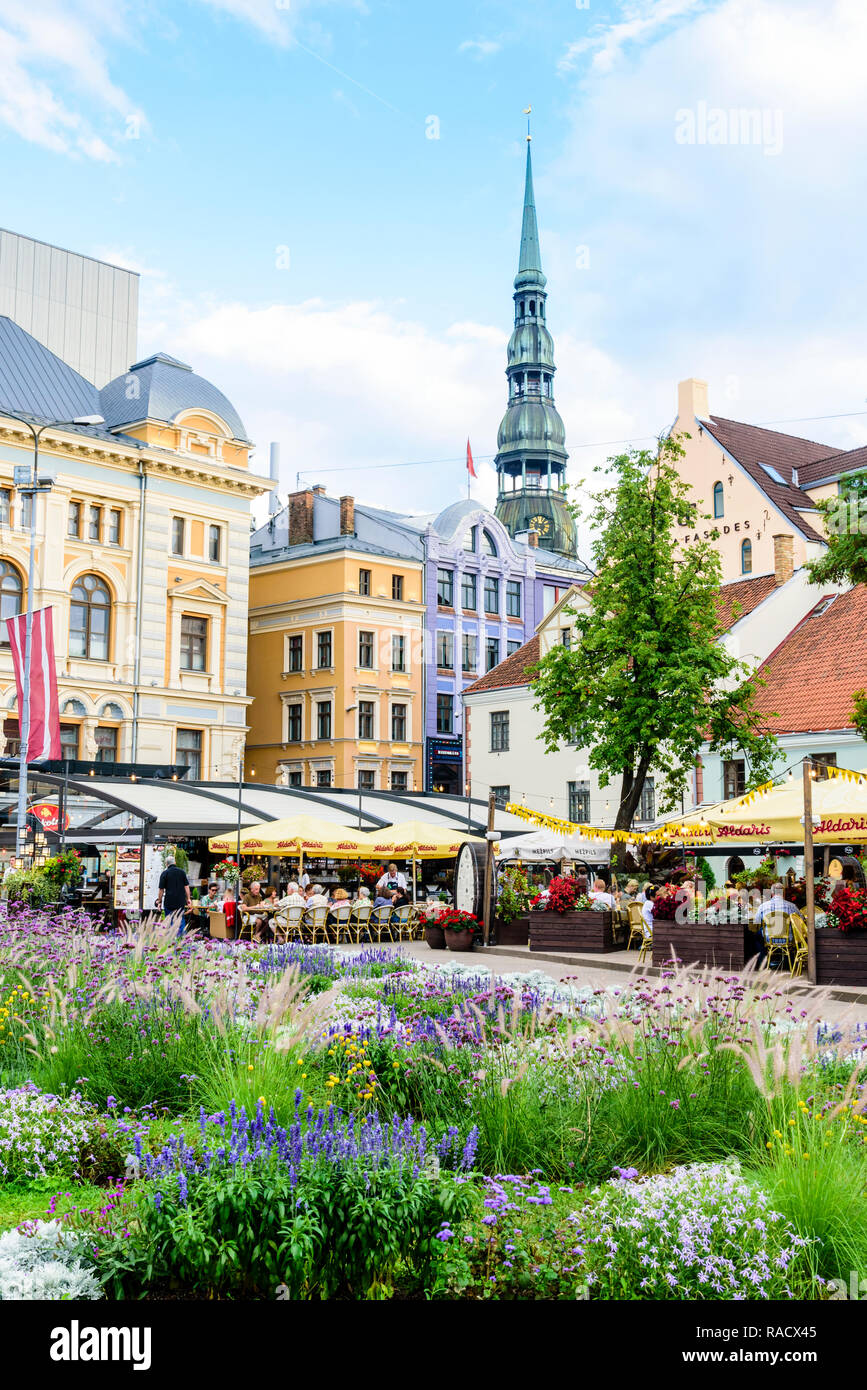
(141,551)
(336,656)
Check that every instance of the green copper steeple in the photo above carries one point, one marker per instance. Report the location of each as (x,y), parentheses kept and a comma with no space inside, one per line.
(531,453)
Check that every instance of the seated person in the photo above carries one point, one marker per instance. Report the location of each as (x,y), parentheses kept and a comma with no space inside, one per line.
(363,895)
(400,898)
(600,894)
(647,908)
(316,897)
(252,898)
(384,900)
(391,881)
(630,893)
(339,899)
(293,897)
(776,903)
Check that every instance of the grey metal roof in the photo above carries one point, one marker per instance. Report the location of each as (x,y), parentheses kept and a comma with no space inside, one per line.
(35,382)
(165,387)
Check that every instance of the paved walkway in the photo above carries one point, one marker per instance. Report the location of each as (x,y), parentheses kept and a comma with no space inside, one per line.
(844,1006)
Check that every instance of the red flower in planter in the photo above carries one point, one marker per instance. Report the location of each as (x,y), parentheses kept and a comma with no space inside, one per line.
(455,920)
(849,906)
(562,893)
(666,903)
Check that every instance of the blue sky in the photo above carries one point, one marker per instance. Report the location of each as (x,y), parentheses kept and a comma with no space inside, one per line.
(207,143)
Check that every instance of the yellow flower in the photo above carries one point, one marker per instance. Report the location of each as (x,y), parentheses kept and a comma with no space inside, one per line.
(769,1144)
(791,1122)
(806,1155)
(303,1076)
(250,1068)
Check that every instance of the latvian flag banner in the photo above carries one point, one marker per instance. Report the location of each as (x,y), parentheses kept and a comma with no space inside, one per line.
(44,740)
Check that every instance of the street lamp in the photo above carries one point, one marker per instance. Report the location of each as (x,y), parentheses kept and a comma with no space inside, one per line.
(32,487)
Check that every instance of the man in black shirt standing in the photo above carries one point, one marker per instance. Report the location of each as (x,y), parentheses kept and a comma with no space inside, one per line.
(174,892)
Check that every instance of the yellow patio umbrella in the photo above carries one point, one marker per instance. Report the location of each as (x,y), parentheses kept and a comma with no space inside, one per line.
(294,835)
(416,839)
(777,812)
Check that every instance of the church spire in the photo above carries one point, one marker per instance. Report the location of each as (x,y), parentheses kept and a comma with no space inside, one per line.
(530,259)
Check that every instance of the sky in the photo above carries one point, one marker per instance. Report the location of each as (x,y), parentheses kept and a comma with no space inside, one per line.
(323,198)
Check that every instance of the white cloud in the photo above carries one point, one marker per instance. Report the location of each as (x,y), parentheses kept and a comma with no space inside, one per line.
(43,44)
(642,21)
(278,20)
(480,48)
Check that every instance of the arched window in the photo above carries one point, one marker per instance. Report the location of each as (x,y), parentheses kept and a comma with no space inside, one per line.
(470,540)
(746,557)
(111,711)
(89,618)
(718,504)
(74,707)
(488,547)
(11,591)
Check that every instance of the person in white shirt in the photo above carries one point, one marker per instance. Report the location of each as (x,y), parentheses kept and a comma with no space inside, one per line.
(647,909)
(304,880)
(776,903)
(642,896)
(391,882)
(317,898)
(292,897)
(600,894)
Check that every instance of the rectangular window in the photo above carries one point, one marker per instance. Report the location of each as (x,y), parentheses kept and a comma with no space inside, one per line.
(364,583)
(446,651)
(5,506)
(12,736)
(106,745)
(492,594)
(177,535)
(295,778)
(365,719)
(579,802)
(188,752)
(734,778)
(501,796)
(365,650)
(73,520)
(647,806)
(400,781)
(821,762)
(69,741)
(445,713)
(492,653)
(513,598)
(27,511)
(566,637)
(469,597)
(215,544)
(397,586)
(398,723)
(500,731)
(366,779)
(323,778)
(194,643)
(293,723)
(296,652)
(469,652)
(398,653)
(323,650)
(446,588)
(512,646)
(323,719)
(114,536)
(94,523)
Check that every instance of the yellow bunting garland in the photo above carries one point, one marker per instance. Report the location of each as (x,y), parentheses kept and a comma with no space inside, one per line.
(662,834)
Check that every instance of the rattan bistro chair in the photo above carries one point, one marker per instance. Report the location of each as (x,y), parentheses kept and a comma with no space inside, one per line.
(777,932)
(359,920)
(401,924)
(313,925)
(636,926)
(799,931)
(287,924)
(380,921)
(337,927)
(646,940)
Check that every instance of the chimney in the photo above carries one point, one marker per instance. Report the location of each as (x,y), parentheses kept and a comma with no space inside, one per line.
(274,473)
(784,558)
(319,489)
(692,402)
(347,516)
(533,538)
(301,517)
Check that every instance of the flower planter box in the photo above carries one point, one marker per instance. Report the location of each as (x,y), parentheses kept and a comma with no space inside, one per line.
(572,931)
(841,957)
(514,933)
(435,937)
(458,940)
(726,946)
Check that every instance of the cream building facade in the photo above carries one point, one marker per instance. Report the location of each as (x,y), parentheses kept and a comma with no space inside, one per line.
(141,551)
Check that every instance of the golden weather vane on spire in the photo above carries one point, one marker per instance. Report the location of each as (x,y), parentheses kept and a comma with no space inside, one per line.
(527,110)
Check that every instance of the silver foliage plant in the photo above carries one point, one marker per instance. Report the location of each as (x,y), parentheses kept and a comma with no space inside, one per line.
(45,1262)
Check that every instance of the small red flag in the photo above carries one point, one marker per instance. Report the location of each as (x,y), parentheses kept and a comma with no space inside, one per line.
(470,469)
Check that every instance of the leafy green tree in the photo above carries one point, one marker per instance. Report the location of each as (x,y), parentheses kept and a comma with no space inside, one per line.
(845,518)
(646,681)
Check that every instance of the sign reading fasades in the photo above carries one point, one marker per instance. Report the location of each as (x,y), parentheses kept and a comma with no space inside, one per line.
(724,531)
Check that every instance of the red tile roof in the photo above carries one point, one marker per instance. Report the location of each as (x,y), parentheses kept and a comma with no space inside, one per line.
(736,600)
(812,675)
(513,671)
(752,445)
(848,461)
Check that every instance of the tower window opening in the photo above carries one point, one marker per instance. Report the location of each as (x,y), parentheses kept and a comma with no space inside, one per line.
(532,306)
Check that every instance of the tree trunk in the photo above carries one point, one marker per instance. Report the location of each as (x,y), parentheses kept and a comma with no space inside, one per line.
(630,796)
